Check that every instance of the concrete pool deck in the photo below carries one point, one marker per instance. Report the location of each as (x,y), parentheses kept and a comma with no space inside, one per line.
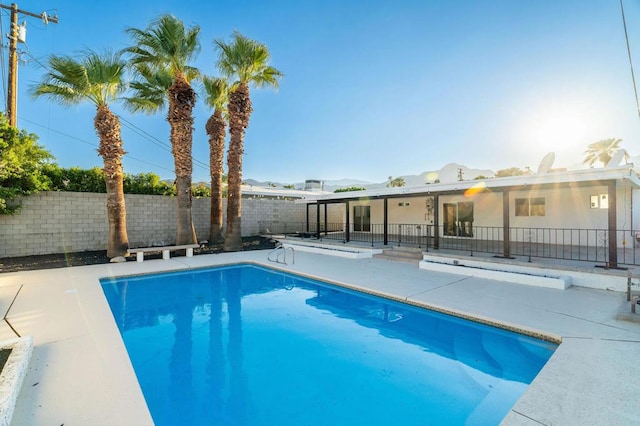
(80,373)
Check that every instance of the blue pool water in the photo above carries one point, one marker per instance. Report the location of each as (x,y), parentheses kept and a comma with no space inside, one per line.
(246,345)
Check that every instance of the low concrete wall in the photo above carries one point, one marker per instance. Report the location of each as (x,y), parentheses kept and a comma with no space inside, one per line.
(517,274)
(59,222)
(528,274)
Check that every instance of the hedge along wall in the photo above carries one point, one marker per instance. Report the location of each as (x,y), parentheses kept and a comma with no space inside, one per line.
(59,222)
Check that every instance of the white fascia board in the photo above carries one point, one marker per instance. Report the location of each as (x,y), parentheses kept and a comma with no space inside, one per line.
(574,176)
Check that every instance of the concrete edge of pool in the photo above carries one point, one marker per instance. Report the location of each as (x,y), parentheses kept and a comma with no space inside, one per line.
(441,309)
(80,372)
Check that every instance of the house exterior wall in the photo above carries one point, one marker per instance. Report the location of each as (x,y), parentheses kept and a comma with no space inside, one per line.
(58,222)
(634,212)
(407,211)
(403,211)
(568,211)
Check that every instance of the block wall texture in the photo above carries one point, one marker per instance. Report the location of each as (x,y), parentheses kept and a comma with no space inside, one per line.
(59,222)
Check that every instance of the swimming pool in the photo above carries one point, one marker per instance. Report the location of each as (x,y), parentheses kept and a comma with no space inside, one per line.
(247,345)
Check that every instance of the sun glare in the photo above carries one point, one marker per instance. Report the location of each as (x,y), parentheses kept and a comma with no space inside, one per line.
(565,128)
(560,129)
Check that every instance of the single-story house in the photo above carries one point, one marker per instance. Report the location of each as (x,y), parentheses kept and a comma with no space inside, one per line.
(577,213)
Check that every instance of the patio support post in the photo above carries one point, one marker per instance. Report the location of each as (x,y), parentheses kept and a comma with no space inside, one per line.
(436,221)
(307,228)
(347,225)
(326,224)
(613,225)
(318,220)
(386,221)
(506,243)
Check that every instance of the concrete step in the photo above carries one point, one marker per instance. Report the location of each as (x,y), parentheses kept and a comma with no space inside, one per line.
(401,254)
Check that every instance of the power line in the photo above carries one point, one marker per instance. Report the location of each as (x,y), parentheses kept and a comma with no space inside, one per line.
(158,142)
(163,145)
(94,145)
(633,78)
(33,58)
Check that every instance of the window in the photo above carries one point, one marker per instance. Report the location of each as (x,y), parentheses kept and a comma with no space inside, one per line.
(536,207)
(599,201)
(530,206)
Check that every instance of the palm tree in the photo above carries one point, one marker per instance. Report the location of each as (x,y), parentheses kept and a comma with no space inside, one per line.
(395,183)
(246,61)
(602,151)
(160,57)
(99,79)
(217,97)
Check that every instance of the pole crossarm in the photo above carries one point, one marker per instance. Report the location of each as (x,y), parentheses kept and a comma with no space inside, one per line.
(43,15)
(12,89)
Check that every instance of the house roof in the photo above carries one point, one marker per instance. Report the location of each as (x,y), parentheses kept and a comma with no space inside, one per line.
(572,178)
(282,193)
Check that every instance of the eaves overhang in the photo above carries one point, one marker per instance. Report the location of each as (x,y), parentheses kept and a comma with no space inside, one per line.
(563,179)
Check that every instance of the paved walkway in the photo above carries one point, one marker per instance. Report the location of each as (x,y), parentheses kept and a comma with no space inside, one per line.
(80,373)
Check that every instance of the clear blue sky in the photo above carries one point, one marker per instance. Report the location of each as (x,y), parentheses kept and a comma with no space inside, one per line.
(371,89)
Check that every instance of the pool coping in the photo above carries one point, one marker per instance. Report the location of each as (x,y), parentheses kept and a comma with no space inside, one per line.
(517,328)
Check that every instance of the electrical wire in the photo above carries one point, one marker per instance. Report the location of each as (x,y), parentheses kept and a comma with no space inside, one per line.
(33,58)
(633,78)
(165,146)
(93,144)
(126,123)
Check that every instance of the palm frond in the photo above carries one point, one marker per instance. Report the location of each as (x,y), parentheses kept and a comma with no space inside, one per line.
(97,77)
(149,92)
(165,43)
(216,91)
(601,151)
(246,61)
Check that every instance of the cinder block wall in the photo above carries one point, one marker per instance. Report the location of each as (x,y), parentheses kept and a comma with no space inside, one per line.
(58,222)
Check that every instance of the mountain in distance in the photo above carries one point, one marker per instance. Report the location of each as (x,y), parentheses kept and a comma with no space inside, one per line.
(448,173)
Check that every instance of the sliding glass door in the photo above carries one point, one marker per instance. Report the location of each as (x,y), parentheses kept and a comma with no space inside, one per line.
(362,218)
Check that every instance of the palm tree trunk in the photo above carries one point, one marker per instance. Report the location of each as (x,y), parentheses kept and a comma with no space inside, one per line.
(181,101)
(216,131)
(108,128)
(239,113)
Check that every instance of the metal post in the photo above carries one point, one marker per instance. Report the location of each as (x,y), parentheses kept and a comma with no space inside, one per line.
(385,219)
(506,240)
(347,224)
(326,223)
(318,221)
(436,221)
(612,222)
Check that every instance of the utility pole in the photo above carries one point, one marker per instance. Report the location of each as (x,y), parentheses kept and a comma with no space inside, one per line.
(14,37)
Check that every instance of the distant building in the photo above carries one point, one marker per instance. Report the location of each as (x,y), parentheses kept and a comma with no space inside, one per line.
(253,191)
(313,185)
